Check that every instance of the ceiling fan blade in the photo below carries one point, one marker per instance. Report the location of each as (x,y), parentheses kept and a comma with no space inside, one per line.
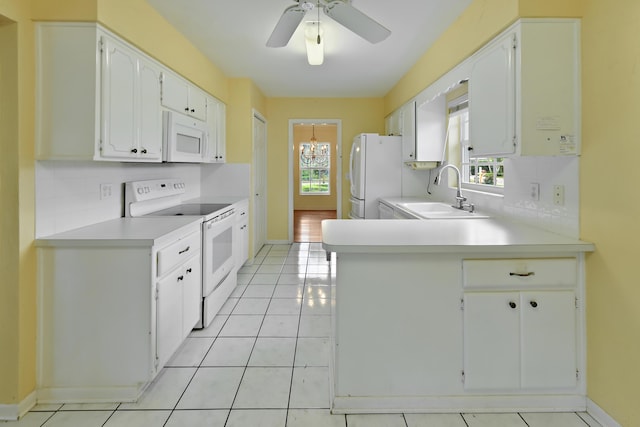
(286,26)
(356,21)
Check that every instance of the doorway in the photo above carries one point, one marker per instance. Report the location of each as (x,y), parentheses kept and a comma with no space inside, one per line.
(259,182)
(315,168)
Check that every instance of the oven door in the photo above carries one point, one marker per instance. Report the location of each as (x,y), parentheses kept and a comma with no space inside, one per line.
(217,256)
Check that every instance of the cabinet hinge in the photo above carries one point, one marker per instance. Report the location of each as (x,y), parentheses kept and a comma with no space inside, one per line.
(577,305)
(462,376)
(515,140)
(157,293)
(100,45)
(515,41)
(462,304)
(577,375)
(156,362)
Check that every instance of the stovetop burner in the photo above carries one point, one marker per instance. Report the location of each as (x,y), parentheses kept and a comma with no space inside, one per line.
(191,209)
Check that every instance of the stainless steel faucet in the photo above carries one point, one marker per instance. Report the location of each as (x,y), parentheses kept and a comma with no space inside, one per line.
(460,199)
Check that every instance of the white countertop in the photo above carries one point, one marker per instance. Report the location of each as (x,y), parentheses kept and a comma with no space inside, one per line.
(146,231)
(443,236)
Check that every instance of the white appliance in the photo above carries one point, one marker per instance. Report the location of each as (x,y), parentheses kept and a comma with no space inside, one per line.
(375,171)
(184,139)
(163,197)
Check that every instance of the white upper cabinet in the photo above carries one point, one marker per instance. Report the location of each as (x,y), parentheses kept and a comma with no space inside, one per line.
(97,98)
(492,98)
(524,91)
(180,95)
(131,119)
(216,116)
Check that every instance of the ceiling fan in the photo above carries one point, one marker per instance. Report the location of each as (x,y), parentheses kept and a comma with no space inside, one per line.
(340,11)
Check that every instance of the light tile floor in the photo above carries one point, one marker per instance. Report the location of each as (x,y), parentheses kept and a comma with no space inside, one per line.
(263,362)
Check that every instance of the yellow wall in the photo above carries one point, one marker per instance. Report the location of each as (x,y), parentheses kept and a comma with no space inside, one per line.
(357,115)
(324,133)
(17,263)
(244,98)
(610,206)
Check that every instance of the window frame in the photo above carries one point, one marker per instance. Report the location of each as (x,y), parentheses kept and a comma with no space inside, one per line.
(313,168)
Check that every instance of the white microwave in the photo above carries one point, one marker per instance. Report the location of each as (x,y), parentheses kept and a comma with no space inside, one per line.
(184,138)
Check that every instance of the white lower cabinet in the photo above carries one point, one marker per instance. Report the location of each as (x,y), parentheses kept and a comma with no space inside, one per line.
(241,235)
(112,312)
(178,303)
(518,340)
(517,337)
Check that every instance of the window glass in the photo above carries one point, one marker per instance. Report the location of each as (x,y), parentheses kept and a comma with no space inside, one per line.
(315,168)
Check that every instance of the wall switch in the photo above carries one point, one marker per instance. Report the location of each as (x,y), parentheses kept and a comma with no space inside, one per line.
(534,191)
(106,191)
(558,195)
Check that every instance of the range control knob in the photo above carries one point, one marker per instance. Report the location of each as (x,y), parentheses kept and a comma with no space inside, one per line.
(140,190)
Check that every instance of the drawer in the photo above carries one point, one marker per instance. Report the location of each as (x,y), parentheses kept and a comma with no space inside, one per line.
(178,252)
(518,273)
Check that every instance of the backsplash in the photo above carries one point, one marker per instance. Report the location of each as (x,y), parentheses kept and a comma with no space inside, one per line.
(517,204)
(68,193)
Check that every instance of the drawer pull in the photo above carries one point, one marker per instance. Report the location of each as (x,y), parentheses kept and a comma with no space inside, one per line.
(188,270)
(184,250)
(531,273)
(180,278)
(512,304)
(534,304)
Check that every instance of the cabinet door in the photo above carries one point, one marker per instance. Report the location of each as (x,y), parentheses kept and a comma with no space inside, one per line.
(197,103)
(191,295)
(408,131)
(491,340)
(175,93)
(118,128)
(211,153)
(169,329)
(221,135)
(492,97)
(549,356)
(150,141)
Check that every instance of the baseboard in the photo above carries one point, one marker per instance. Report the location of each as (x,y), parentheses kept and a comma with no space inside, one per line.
(456,404)
(278,242)
(14,412)
(598,414)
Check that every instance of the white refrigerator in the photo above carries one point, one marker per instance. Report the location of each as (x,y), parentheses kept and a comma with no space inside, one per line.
(375,171)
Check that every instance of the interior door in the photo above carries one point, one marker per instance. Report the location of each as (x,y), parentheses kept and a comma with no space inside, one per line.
(259,183)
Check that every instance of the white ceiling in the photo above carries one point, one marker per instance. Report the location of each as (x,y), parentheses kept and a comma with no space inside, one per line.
(233,33)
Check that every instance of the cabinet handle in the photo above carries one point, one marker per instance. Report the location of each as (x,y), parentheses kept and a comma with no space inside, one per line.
(186,109)
(143,151)
(469,148)
(193,110)
(180,278)
(531,273)
(188,270)
(184,250)
(134,150)
(512,304)
(534,304)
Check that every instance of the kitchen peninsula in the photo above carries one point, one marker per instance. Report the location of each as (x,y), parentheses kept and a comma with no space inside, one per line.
(481,315)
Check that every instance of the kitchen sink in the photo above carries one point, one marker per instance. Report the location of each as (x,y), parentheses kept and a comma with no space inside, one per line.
(437,210)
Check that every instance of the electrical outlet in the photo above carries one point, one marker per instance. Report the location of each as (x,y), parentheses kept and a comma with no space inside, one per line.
(106,191)
(558,195)
(534,191)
